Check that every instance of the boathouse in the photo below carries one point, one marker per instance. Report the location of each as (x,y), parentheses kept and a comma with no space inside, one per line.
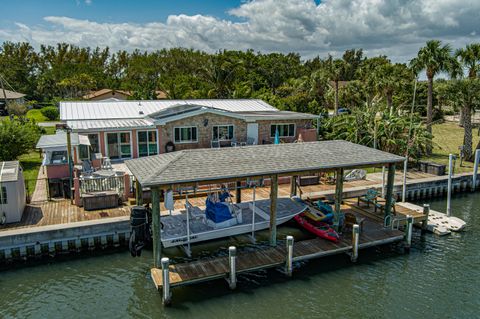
(194,168)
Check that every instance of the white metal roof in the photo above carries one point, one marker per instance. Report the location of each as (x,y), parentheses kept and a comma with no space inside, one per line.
(60,139)
(97,110)
(110,124)
(9,171)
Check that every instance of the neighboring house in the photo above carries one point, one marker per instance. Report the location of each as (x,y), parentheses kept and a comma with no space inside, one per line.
(11,97)
(130,129)
(12,192)
(55,159)
(107,94)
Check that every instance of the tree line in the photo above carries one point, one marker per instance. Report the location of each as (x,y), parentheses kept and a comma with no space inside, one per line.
(367,86)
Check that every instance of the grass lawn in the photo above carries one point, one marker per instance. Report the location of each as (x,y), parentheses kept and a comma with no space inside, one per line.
(31,163)
(447,137)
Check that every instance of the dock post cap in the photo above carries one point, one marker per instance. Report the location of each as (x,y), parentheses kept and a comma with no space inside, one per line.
(356,228)
(165,261)
(289,238)
(232,250)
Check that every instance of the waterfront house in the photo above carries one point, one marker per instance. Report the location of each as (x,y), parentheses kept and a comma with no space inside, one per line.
(12,192)
(129,129)
(107,94)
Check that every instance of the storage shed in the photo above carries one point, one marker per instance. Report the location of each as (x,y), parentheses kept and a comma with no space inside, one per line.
(12,192)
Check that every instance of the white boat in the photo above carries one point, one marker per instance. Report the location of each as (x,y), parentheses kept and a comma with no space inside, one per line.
(192,225)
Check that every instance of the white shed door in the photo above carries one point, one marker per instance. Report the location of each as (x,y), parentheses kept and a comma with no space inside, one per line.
(252,131)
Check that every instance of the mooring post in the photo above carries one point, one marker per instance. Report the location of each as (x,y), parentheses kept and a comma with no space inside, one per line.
(355,239)
(232,261)
(167,296)
(408,233)
(273,209)
(289,263)
(449,187)
(475,169)
(426,212)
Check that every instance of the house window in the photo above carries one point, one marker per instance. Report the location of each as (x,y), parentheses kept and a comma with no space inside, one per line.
(59,157)
(3,199)
(185,134)
(222,132)
(83,152)
(94,143)
(147,143)
(118,145)
(284,130)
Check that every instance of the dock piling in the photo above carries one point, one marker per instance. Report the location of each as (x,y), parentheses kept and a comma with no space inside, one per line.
(167,296)
(426,211)
(449,187)
(475,169)
(408,233)
(355,239)
(232,261)
(289,263)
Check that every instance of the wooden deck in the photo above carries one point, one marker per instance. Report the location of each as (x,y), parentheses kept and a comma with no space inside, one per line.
(185,273)
(62,212)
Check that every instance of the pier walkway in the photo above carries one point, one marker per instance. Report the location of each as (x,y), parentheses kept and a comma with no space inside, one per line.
(372,234)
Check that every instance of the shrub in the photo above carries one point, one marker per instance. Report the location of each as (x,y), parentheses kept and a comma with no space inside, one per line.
(50,112)
(17,137)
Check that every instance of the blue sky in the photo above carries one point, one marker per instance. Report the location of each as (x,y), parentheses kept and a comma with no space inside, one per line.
(33,11)
(310,27)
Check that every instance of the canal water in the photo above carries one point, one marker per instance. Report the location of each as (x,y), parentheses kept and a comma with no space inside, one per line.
(440,278)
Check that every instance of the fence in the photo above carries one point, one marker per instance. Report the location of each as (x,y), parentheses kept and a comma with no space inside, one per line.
(102,184)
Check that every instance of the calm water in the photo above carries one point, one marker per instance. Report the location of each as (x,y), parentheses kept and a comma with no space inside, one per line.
(440,278)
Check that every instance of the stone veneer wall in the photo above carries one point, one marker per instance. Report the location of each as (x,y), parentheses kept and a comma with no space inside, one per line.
(240,130)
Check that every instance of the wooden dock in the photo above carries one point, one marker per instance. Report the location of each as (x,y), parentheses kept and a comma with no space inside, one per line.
(185,273)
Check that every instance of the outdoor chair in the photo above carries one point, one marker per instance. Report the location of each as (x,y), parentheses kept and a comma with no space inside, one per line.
(370,197)
(251,141)
(87,167)
(107,164)
(351,219)
(215,144)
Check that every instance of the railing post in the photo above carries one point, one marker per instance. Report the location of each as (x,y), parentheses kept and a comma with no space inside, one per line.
(475,169)
(404,182)
(355,239)
(289,262)
(232,261)
(408,233)
(426,212)
(167,296)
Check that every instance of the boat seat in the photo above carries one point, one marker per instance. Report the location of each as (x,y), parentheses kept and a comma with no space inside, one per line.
(195,212)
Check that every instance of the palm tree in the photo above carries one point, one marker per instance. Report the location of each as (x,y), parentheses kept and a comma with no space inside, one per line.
(469,57)
(389,79)
(335,69)
(433,58)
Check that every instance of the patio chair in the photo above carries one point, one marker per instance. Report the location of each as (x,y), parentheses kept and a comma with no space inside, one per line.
(251,141)
(370,197)
(87,167)
(215,144)
(351,219)
(107,164)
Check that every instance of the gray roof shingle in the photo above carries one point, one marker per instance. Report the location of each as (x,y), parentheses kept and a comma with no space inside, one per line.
(9,171)
(201,165)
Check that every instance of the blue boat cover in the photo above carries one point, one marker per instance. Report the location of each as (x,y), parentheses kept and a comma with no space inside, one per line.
(217,211)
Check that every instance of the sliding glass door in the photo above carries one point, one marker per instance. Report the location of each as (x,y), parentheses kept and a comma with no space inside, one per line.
(119,145)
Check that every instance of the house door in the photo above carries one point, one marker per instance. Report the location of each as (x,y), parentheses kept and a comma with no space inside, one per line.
(252,131)
(118,145)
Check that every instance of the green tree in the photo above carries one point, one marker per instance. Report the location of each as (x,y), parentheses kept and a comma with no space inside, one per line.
(433,58)
(17,138)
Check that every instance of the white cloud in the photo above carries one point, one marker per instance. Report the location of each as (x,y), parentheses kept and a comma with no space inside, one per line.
(396,28)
